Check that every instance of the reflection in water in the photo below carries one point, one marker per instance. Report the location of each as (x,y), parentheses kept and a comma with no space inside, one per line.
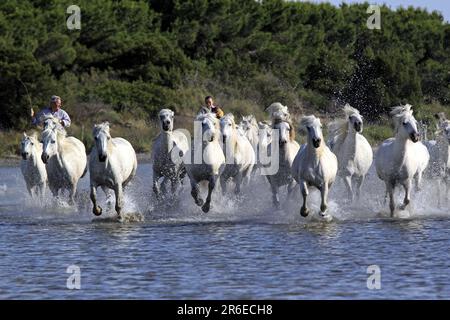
(241,249)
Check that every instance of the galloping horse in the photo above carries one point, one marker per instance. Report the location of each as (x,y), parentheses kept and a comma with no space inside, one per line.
(164,145)
(65,160)
(212,163)
(112,164)
(398,160)
(314,165)
(288,149)
(32,167)
(353,151)
(239,154)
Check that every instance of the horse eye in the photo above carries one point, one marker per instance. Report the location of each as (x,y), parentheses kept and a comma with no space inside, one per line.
(53,141)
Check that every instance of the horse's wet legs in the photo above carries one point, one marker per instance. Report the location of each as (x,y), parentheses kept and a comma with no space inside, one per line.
(96,209)
(407,185)
(348,185)
(156,189)
(291,187)
(359,182)
(223,184)
(72,192)
(211,186)
(275,199)
(390,190)
(238,182)
(118,190)
(304,211)
(324,197)
(195,194)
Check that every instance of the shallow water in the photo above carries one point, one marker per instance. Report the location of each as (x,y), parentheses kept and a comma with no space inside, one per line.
(241,249)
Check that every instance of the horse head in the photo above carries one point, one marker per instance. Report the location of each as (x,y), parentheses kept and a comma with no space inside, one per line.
(405,123)
(49,143)
(166,119)
(285,129)
(102,137)
(227,126)
(354,118)
(210,126)
(313,128)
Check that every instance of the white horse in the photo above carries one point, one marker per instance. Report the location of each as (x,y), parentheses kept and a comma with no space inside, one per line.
(439,150)
(65,160)
(249,127)
(401,159)
(32,167)
(212,161)
(352,149)
(165,165)
(112,164)
(314,165)
(287,151)
(239,154)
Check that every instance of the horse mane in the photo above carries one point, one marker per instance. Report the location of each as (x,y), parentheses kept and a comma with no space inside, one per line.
(55,122)
(399,113)
(59,133)
(210,116)
(291,132)
(338,129)
(278,112)
(162,111)
(101,126)
(306,122)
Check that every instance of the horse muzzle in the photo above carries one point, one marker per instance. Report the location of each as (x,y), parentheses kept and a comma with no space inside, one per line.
(414,137)
(316,143)
(166,127)
(24,155)
(358,127)
(102,158)
(44,158)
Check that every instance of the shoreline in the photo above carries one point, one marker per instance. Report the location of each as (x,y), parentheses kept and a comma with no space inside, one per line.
(14,161)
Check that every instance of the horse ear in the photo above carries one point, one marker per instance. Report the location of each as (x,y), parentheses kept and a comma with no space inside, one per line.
(24,134)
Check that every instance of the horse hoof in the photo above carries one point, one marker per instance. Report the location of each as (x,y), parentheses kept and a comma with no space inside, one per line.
(323,208)
(199,202)
(206,207)
(304,212)
(97,211)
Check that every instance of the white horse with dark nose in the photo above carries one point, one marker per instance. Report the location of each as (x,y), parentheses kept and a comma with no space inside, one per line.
(112,164)
(65,160)
(239,155)
(352,149)
(32,167)
(205,161)
(167,151)
(287,150)
(401,159)
(314,165)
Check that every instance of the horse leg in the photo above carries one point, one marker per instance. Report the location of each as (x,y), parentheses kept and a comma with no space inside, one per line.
(407,185)
(118,190)
(96,209)
(418,181)
(275,198)
(390,187)
(304,211)
(291,187)
(195,194)
(156,189)
(348,185)
(359,183)
(238,182)
(223,184)
(211,185)
(324,198)
(72,192)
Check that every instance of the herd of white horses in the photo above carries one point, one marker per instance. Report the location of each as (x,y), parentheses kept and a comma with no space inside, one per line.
(229,152)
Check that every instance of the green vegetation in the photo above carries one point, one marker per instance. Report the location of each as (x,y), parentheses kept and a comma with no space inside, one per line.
(132,58)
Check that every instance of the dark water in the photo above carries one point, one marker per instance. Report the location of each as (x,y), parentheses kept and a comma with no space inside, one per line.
(242,249)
